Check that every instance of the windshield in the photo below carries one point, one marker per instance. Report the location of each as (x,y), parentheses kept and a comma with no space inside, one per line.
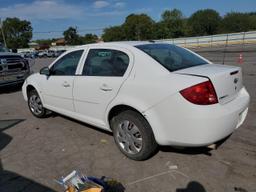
(172,57)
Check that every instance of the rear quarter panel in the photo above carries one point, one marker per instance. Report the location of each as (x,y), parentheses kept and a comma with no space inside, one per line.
(149,83)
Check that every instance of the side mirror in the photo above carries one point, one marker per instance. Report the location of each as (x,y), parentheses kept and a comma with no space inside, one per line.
(45,71)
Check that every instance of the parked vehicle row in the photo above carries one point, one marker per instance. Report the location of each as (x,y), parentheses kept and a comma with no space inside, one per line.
(42,54)
(14,69)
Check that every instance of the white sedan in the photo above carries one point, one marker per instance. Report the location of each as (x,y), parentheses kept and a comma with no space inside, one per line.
(146,93)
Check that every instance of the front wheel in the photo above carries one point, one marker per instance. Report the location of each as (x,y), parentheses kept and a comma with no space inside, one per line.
(133,135)
(35,104)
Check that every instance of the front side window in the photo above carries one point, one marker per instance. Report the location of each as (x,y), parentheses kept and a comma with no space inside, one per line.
(105,62)
(67,64)
(172,57)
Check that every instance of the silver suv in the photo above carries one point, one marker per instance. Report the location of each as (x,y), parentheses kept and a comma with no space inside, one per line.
(13,68)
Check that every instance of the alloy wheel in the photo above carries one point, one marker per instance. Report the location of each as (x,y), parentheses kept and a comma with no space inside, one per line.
(35,104)
(129,137)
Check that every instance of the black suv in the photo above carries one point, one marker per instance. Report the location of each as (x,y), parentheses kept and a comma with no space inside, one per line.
(14,69)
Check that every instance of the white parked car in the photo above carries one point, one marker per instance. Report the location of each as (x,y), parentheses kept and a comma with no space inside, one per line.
(42,54)
(146,93)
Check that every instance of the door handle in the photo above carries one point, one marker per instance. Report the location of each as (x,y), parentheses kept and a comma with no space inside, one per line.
(65,84)
(105,87)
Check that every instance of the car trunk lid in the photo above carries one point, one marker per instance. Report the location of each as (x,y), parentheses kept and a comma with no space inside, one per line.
(227,80)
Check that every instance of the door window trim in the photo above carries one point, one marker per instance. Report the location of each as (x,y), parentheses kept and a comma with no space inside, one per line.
(78,64)
(124,51)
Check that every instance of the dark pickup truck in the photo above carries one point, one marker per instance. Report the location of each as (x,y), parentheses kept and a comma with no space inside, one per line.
(14,69)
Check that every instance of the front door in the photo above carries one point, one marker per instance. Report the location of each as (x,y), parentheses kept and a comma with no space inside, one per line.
(57,88)
(103,73)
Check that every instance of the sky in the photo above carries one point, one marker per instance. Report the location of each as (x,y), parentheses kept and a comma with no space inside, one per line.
(49,18)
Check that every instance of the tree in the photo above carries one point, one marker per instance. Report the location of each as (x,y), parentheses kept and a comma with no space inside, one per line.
(239,22)
(115,33)
(138,27)
(204,22)
(17,32)
(90,38)
(45,41)
(160,31)
(72,37)
(172,23)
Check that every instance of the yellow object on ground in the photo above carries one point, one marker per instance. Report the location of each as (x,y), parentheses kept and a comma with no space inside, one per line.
(92,190)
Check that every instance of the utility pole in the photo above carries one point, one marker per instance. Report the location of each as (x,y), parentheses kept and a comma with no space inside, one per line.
(1,26)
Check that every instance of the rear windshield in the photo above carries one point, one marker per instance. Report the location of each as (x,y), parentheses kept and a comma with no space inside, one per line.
(172,57)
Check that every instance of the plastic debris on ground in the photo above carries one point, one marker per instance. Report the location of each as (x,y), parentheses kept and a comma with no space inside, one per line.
(76,182)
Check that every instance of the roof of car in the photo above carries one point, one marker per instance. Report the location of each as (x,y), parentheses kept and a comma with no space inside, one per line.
(115,43)
(120,43)
(132,43)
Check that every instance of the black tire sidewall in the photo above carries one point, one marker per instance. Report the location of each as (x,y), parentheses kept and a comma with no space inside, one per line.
(149,144)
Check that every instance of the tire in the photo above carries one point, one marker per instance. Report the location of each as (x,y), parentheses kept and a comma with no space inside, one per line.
(35,105)
(133,135)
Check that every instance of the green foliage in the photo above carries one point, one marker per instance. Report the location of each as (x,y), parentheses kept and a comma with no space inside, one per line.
(138,27)
(45,41)
(204,22)
(90,38)
(172,24)
(115,33)
(141,27)
(237,22)
(72,37)
(17,32)
(160,31)
(135,27)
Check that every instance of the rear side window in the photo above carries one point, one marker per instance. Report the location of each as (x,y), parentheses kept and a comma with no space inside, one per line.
(172,57)
(105,62)
(67,64)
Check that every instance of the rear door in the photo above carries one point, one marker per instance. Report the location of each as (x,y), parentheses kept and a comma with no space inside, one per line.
(103,73)
(57,88)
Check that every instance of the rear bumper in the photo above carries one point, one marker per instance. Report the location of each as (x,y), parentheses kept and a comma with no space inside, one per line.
(177,122)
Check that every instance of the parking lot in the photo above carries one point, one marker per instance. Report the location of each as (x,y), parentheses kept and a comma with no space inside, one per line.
(34,152)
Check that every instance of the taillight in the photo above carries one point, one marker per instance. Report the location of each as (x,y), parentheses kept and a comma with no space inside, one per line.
(201,94)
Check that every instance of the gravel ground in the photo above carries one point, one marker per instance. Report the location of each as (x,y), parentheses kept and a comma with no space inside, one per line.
(34,152)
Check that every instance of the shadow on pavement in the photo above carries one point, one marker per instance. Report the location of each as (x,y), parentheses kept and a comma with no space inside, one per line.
(54,115)
(10,89)
(10,181)
(13,182)
(193,150)
(4,140)
(192,186)
(187,150)
(6,124)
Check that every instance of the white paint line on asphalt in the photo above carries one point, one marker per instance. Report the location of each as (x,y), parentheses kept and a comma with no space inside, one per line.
(157,175)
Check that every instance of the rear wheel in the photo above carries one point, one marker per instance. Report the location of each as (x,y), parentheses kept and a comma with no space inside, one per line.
(35,104)
(133,135)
